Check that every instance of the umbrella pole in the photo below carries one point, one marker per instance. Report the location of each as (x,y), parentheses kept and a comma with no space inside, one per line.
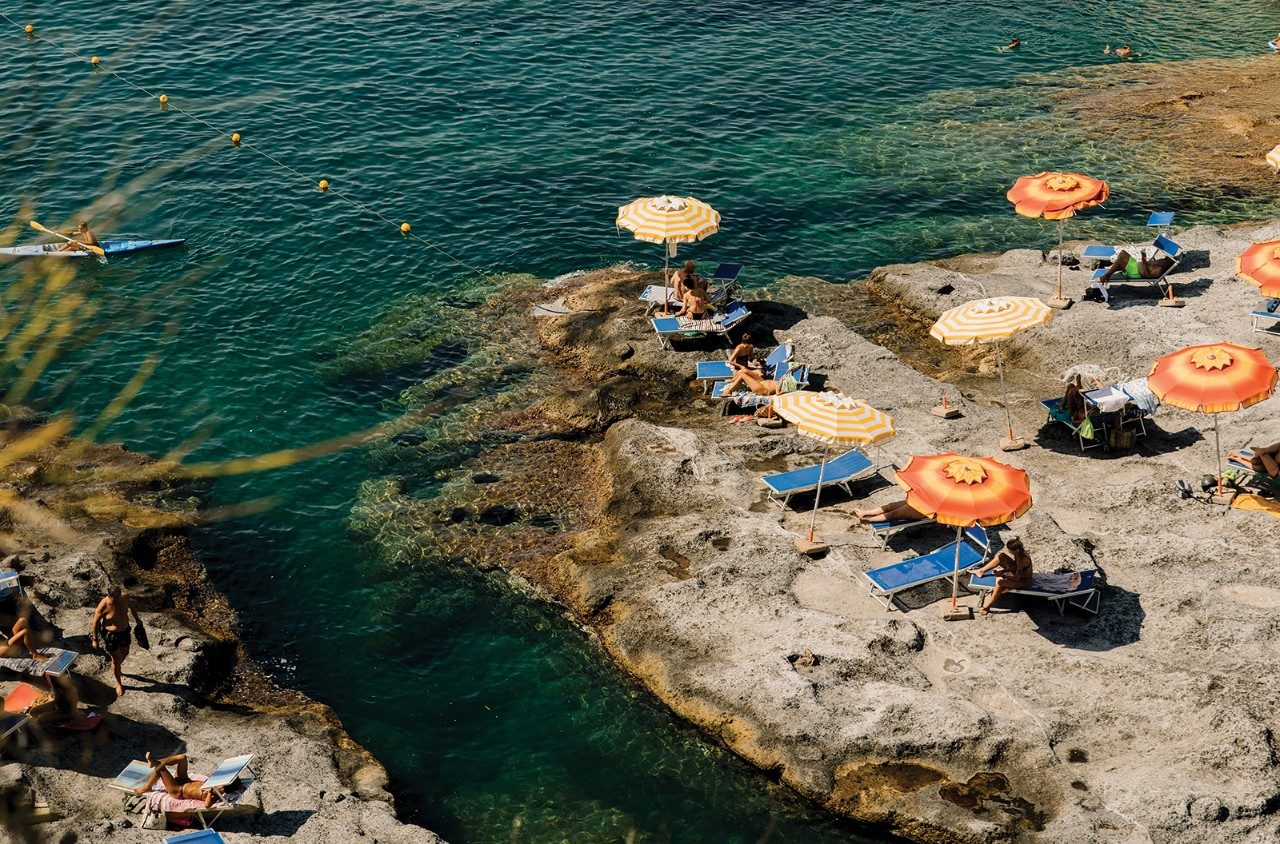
(955,575)
(817,496)
(1217,450)
(1004,398)
(666,278)
(1061,226)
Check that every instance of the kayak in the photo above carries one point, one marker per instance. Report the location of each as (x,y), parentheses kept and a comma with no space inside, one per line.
(111,247)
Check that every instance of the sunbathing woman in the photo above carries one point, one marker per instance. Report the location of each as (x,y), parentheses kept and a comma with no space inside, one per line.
(19,643)
(753,381)
(1012,567)
(177,784)
(894,511)
(1265,458)
(1131,267)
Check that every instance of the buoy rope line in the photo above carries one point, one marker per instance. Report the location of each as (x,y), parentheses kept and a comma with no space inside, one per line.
(323,184)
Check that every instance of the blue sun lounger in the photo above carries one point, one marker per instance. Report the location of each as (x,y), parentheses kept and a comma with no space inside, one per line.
(1256,479)
(1161,220)
(840,471)
(708,371)
(1057,414)
(1076,589)
(883,530)
(667,327)
(1270,315)
(653,295)
(799,371)
(1161,244)
(197,836)
(888,581)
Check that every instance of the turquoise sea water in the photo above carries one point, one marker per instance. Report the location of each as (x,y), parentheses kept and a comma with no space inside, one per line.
(833,136)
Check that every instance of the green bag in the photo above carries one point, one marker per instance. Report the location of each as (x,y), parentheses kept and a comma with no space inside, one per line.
(1086,429)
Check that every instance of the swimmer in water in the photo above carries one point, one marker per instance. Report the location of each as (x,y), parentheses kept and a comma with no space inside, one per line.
(1013,45)
(1124,52)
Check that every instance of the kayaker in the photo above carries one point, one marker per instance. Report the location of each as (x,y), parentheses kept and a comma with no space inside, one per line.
(83,237)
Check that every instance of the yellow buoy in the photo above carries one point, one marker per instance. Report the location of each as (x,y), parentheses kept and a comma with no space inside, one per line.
(95,61)
(29,29)
(235,138)
(404,228)
(164,100)
(323,184)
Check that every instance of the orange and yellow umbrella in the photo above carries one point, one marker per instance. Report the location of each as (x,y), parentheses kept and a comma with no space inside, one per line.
(1056,196)
(964,491)
(1260,265)
(1213,378)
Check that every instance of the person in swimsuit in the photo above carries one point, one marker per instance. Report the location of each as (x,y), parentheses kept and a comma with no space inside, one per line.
(1265,458)
(1131,267)
(178,784)
(686,278)
(743,354)
(894,511)
(694,304)
(1013,44)
(1124,52)
(83,237)
(19,643)
(754,382)
(111,628)
(1073,401)
(1012,567)
(64,706)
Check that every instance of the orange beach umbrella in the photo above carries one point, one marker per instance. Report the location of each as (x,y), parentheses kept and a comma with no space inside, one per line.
(1213,378)
(1056,196)
(1260,265)
(964,491)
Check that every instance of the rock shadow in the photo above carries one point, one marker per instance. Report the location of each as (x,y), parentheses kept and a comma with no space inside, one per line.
(802,502)
(103,752)
(285,822)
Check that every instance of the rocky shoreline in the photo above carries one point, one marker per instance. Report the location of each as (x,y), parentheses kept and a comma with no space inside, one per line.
(1151,721)
(109,516)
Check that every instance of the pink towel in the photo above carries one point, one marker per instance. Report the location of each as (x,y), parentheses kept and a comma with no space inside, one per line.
(158,800)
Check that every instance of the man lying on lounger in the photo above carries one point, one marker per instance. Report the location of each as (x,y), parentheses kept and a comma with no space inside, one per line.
(894,511)
(178,784)
(1131,267)
(1266,458)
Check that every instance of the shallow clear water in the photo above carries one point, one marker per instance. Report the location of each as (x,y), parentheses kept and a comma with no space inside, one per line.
(833,136)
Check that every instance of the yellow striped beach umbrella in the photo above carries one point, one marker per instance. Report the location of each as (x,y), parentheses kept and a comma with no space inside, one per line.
(991,321)
(835,419)
(1273,158)
(668,220)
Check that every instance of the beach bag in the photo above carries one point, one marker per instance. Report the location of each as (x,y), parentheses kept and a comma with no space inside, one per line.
(1122,439)
(154,820)
(1086,429)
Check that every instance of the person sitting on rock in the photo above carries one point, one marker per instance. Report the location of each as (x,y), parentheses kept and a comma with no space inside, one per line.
(63,708)
(743,355)
(178,784)
(1265,458)
(1131,267)
(894,511)
(1012,567)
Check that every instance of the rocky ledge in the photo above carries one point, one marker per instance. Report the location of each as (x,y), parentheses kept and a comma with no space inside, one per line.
(72,523)
(1153,720)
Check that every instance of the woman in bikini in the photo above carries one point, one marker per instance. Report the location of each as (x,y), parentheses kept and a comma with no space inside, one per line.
(894,511)
(1266,458)
(1012,567)
(178,784)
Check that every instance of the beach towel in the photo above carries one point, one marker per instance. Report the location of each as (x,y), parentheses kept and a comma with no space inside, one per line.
(1141,395)
(687,324)
(1067,581)
(1249,501)
(159,800)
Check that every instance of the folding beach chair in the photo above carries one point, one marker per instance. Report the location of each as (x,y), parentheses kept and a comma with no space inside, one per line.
(10,588)
(709,371)
(887,581)
(841,471)
(233,776)
(1058,414)
(1116,409)
(1260,481)
(1160,220)
(197,836)
(720,325)
(883,530)
(799,372)
(1161,244)
(1075,589)
(56,663)
(1267,319)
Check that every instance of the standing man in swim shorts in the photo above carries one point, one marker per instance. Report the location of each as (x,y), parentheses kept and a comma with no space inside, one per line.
(111,625)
